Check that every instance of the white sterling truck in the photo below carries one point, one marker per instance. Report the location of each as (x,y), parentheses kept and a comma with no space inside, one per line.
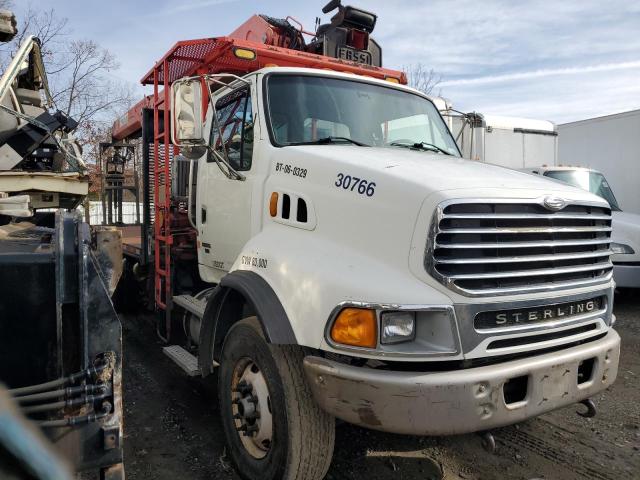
(330,255)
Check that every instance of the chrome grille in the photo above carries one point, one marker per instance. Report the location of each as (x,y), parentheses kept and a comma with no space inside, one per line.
(493,248)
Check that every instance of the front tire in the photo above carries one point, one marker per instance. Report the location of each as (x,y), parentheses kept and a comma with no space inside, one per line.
(273,426)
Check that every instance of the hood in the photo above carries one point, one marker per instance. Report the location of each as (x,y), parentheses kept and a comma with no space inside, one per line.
(387,218)
(435,171)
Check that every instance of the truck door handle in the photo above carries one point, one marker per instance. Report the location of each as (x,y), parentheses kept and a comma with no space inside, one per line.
(203,215)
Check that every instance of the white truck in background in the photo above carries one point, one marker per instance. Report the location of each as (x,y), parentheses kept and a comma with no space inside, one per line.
(510,142)
(625,236)
(611,145)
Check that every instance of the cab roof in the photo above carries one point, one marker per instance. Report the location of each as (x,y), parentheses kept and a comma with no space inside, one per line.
(232,55)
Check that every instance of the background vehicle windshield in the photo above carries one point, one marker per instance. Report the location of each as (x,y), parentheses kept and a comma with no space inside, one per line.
(593,182)
(303,109)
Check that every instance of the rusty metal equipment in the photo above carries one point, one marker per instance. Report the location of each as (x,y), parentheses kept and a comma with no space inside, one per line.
(115,158)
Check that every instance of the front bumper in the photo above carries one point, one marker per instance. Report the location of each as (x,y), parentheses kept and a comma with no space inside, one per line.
(460,401)
(626,276)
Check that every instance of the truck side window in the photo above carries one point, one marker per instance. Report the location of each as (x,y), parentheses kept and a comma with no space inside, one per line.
(236,123)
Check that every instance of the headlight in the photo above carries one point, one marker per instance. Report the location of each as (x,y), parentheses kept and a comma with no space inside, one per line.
(397,327)
(617,248)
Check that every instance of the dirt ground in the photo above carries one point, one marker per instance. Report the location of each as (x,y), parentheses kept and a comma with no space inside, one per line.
(173,432)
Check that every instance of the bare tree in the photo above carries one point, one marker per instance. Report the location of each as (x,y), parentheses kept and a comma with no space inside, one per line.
(46,26)
(422,78)
(83,86)
(79,71)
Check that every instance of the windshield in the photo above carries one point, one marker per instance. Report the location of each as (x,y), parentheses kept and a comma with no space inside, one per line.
(593,182)
(306,109)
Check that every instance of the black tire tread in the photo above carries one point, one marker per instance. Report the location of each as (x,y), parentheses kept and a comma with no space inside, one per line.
(311,430)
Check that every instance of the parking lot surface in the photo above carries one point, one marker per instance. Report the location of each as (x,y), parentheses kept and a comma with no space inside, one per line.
(173,432)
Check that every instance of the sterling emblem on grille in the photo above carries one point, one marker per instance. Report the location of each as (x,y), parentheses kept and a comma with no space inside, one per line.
(547,313)
(554,203)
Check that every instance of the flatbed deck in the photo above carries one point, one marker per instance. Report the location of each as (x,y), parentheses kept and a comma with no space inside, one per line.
(131,240)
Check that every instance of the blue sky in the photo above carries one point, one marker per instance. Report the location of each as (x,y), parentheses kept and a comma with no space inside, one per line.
(555,60)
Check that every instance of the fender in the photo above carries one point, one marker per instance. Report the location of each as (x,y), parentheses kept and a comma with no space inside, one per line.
(241,293)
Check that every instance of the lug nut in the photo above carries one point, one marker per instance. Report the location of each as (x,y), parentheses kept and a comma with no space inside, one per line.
(250,430)
(253,416)
(243,388)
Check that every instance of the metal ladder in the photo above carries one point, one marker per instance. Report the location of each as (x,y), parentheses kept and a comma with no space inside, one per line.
(163,152)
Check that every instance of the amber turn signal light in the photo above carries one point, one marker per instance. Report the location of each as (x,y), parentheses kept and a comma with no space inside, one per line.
(244,53)
(356,327)
(273,204)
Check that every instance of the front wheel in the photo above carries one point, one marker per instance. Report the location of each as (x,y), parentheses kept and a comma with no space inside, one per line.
(274,428)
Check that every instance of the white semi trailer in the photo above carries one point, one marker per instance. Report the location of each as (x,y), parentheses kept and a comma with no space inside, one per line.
(511,142)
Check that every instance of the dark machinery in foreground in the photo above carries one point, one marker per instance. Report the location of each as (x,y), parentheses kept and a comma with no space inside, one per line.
(60,338)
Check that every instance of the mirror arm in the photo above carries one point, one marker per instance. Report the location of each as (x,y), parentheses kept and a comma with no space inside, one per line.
(214,112)
(230,171)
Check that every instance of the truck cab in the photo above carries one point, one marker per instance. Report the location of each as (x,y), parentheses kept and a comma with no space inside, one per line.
(625,236)
(356,267)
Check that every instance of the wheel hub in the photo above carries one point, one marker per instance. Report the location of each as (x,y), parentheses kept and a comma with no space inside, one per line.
(251,406)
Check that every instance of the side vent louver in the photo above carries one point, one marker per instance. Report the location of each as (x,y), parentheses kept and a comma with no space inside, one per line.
(286,206)
(292,209)
(301,216)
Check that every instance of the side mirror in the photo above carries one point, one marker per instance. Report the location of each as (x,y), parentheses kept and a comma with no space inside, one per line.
(186,111)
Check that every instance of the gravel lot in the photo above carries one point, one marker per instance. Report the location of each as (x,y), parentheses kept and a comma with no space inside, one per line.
(173,432)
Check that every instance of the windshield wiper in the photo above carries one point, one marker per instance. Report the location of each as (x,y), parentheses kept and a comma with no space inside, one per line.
(328,140)
(421,146)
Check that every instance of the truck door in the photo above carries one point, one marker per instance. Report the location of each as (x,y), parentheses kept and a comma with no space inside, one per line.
(224,212)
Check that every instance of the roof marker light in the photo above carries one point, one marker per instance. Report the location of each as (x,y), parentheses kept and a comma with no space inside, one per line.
(244,53)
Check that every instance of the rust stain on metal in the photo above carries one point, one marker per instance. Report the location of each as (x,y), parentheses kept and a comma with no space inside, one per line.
(368,416)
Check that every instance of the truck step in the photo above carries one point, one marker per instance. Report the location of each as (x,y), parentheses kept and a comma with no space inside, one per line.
(184,359)
(191,304)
